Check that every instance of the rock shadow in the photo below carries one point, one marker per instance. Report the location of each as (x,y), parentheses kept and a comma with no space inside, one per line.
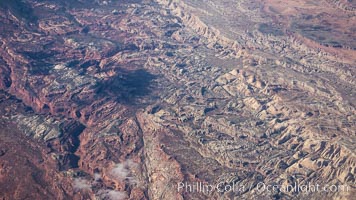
(128,87)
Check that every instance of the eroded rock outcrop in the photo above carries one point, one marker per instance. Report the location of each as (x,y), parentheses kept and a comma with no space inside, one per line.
(135,99)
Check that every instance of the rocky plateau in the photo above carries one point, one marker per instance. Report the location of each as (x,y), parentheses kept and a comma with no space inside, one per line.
(133,99)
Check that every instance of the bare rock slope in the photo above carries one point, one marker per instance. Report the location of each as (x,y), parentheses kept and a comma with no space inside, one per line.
(138,99)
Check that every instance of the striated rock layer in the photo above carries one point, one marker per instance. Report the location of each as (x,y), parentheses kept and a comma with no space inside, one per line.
(139,99)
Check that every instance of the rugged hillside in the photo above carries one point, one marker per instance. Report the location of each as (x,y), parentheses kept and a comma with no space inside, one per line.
(138,99)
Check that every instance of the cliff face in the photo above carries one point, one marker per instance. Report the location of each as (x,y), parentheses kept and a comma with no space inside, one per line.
(27,166)
(137,99)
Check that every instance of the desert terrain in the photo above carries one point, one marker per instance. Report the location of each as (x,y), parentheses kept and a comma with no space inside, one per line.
(162,99)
